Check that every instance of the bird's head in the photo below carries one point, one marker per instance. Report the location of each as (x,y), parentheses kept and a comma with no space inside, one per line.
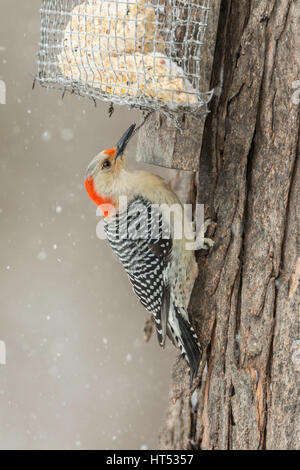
(103,172)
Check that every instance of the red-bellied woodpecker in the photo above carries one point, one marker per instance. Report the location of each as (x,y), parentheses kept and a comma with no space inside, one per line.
(142,234)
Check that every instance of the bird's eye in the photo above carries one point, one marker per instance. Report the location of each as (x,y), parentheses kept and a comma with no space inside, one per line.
(106,164)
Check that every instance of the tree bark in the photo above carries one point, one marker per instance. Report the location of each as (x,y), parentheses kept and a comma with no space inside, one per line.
(246,300)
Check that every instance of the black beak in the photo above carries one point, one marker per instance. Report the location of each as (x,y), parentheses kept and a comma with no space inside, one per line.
(121,145)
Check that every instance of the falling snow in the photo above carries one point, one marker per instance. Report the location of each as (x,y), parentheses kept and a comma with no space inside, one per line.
(46,136)
(42,256)
(66,134)
(74,322)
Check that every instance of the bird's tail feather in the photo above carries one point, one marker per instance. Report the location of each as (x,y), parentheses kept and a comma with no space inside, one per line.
(188,343)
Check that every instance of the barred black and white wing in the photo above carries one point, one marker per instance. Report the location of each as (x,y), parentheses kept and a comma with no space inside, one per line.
(141,240)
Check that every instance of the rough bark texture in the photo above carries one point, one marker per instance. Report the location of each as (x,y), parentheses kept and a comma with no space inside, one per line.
(246,300)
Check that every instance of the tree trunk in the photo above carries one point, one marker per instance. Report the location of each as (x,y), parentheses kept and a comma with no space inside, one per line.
(246,300)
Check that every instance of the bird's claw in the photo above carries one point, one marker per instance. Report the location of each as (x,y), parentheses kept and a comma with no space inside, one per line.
(204,243)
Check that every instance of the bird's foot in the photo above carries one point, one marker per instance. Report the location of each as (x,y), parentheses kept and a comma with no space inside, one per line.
(204,243)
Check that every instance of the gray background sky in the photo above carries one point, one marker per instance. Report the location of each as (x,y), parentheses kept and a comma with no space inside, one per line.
(78,373)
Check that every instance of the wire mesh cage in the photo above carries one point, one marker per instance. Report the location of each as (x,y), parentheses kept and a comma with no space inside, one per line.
(142,53)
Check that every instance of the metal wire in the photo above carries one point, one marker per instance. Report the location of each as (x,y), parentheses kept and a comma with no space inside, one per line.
(141,53)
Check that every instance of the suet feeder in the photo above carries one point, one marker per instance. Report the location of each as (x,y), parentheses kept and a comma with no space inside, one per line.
(147,54)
